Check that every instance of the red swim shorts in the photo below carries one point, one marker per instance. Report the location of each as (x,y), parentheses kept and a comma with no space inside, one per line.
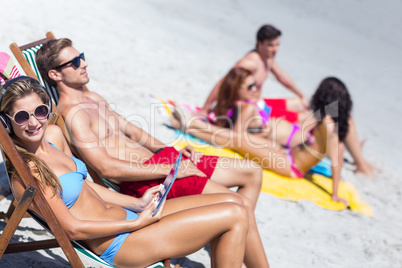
(181,187)
(279,110)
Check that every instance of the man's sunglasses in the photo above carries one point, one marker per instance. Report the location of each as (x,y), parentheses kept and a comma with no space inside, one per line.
(76,62)
(250,87)
(22,117)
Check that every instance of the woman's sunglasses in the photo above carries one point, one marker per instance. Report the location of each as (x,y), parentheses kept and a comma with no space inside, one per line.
(250,87)
(76,62)
(22,117)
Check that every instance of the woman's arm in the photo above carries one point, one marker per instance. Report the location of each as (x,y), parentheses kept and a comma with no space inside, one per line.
(126,201)
(77,229)
(335,153)
(246,116)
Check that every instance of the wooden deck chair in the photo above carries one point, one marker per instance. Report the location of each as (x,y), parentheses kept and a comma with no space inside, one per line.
(25,55)
(33,194)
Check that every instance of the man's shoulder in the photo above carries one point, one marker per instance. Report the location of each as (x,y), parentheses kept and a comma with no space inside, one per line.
(250,61)
(251,56)
(76,113)
(93,95)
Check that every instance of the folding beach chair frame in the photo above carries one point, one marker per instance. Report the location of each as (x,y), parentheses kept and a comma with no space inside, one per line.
(32,194)
(56,116)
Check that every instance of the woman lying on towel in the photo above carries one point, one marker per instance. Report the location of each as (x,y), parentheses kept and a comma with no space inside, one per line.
(238,107)
(326,132)
(118,228)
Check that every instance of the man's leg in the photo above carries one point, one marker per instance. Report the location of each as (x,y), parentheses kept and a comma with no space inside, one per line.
(242,173)
(295,104)
(255,254)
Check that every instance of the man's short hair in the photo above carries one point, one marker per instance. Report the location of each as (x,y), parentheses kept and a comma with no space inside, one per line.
(267,32)
(47,57)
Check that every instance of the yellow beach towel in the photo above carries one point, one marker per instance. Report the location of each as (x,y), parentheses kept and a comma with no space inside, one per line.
(316,188)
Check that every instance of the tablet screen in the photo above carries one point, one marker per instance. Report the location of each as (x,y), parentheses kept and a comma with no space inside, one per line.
(167,184)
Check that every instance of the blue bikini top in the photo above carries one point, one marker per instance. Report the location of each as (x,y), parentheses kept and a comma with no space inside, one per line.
(71,182)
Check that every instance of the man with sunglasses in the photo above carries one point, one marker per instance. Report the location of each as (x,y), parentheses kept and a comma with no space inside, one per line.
(125,154)
(93,127)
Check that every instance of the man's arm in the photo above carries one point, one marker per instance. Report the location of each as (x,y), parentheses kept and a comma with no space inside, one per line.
(96,156)
(133,132)
(213,96)
(286,81)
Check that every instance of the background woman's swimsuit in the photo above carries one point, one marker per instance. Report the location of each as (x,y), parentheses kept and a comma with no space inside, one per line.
(294,171)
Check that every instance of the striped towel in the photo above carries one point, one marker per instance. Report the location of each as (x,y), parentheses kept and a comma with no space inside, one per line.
(8,70)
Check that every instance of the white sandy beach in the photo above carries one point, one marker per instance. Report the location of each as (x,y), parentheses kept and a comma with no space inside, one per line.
(179,49)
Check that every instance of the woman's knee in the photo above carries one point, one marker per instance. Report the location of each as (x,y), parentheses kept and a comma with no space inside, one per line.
(238,213)
(233,198)
(244,201)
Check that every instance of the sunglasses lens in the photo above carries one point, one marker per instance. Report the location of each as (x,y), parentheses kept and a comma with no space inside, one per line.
(250,87)
(77,60)
(41,112)
(21,117)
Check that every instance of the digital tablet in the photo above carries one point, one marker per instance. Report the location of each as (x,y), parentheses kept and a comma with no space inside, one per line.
(167,184)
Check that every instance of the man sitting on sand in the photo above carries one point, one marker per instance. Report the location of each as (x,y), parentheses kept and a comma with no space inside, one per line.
(260,62)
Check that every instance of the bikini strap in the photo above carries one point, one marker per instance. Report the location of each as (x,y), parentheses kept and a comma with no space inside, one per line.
(292,133)
(53,145)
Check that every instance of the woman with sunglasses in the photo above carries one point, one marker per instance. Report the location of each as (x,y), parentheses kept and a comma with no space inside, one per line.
(238,107)
(119,228)
(327,131)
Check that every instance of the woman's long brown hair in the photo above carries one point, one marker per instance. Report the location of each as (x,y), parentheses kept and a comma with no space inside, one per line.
(38,167)
(229,93)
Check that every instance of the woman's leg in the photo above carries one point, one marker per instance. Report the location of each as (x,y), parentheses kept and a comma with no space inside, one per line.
(193,201)
(185,232)
(255,254)
(258,149)
(353,145)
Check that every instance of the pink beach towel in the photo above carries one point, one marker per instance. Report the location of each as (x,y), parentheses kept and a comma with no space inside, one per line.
(8,70)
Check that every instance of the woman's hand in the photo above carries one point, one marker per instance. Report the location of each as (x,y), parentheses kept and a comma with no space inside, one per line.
(146,217)
(336,198)
(149,196)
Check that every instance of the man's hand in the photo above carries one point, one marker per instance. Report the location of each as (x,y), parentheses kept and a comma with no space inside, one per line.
(189,152)
(187,169)
(304,102)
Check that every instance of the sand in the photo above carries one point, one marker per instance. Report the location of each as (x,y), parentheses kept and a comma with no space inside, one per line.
(179,50)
